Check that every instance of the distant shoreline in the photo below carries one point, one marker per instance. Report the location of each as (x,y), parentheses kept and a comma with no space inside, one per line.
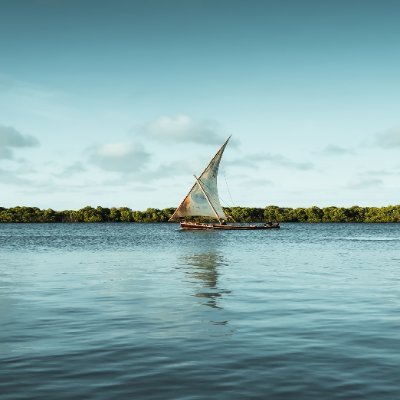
(387,214)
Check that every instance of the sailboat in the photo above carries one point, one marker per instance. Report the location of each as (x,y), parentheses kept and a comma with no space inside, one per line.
(203,201)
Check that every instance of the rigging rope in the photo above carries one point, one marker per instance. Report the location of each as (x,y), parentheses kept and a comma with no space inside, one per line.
(229,192)
(222,200)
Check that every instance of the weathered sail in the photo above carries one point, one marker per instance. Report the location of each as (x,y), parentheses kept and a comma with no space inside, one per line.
(202,199)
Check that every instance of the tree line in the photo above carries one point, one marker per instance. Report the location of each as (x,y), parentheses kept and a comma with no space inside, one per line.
(236,214)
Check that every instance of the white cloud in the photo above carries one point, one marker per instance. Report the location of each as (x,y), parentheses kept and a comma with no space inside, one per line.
(182,128)
(115,150)
(10,139)
(120,157)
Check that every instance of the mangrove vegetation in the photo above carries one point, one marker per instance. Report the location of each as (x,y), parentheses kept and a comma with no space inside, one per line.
(236,214)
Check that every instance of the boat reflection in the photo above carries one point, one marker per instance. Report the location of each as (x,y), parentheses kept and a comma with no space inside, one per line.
(202,268)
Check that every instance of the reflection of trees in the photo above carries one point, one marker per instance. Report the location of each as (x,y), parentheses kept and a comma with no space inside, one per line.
(204,268)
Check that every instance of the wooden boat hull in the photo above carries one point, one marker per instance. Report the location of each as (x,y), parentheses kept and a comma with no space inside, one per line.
(193,226)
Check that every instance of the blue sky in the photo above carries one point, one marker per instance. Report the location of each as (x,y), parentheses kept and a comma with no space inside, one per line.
(118,103)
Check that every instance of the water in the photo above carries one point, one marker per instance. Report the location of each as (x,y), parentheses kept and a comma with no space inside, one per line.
(134,311)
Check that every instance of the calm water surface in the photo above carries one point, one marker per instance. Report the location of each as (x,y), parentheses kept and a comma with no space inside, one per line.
(108,311)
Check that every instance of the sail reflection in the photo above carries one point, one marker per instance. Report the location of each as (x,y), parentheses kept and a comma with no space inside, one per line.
(203,267)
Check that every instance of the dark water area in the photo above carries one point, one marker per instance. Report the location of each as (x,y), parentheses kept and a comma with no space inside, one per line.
(145,311)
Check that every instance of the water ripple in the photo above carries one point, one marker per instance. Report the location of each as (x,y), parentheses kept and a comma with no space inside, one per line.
(111,311)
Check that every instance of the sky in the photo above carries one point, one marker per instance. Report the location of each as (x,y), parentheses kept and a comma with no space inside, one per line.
(118,103)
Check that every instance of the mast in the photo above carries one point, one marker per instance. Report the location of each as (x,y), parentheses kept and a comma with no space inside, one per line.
(191,203)
(209,202)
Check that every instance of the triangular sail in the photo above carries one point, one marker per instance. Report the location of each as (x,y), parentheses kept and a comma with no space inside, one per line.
(202,199)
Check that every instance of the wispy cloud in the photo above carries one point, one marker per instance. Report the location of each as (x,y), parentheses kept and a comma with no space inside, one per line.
(388,139)
(381,172)
(10,139)
(182,128)
(149,175)
(71,170)
(257,182)
(12,178)
(254,161)
(365,184)
(120,157)
(334,150)
(33,99)
(167,170)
